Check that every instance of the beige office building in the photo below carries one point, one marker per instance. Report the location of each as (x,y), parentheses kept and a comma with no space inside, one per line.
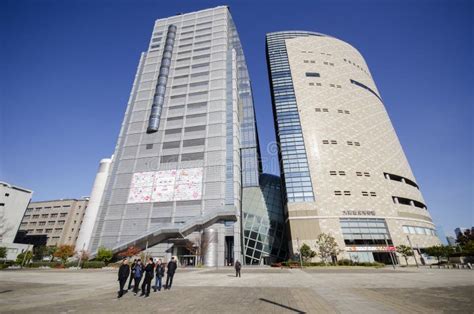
(343,169)
(59,220)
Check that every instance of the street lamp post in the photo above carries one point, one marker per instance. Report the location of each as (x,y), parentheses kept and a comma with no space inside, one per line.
(389,252)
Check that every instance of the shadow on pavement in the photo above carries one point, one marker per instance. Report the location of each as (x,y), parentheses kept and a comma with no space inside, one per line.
(281,305)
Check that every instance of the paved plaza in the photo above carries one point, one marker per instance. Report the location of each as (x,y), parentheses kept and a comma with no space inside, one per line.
(260,290)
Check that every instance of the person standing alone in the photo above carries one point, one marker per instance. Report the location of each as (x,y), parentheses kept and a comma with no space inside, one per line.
(160,272)
(170,273)
(123,273)
(146,286)
(237,266)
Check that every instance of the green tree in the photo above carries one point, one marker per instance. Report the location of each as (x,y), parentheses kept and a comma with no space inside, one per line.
(104,254)
(3,252)
(20,258)
(439,251)
(326,247)
(50,251)
(405,251)
(306,252)
(467,249)
(63,252)
(464,237)
(39,252)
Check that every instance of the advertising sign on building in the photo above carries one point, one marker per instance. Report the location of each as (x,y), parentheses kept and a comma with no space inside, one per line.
(166,186)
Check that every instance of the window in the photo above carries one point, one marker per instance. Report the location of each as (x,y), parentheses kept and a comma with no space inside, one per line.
(192,156)
(194,142)
(173,131)
(54,215)
(169,159)
(419,230)
(398,178)
(149,146)
(365,231)
(36,216)
(312,74)
(44,216)
(195,128)
(408,202)
(198,105)
(169,145)
(42,223)
(366,87)
(62,214)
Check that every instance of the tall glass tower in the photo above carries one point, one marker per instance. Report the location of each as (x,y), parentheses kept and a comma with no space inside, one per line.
(187,146)
(343,169)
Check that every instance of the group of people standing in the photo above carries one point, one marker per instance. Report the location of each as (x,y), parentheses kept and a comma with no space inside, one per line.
(138,270)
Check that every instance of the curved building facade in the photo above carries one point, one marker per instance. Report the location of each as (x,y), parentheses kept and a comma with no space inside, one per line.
(343,169)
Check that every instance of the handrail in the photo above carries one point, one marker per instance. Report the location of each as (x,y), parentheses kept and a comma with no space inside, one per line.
(161,233)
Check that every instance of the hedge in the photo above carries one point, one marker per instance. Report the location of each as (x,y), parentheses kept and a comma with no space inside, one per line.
(93,264)
(343,262)
(45,264)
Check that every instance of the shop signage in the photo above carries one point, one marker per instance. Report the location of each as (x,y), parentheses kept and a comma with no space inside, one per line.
(358,212)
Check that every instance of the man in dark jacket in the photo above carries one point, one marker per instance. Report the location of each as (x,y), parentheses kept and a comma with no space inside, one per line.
(146,286)
(237,266)
(137,276)
(160,273)
(171,270)
(123,273)
(132,268)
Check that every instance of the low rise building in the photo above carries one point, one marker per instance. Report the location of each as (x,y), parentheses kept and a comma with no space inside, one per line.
(59,220)
(13,203)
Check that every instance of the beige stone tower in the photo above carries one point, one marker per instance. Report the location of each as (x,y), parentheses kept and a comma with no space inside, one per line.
(343,169)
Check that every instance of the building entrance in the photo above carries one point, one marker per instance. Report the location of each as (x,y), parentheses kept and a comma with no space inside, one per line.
(229,251)
(384,257)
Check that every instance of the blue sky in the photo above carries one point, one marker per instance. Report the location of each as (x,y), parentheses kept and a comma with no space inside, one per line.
(67,69)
